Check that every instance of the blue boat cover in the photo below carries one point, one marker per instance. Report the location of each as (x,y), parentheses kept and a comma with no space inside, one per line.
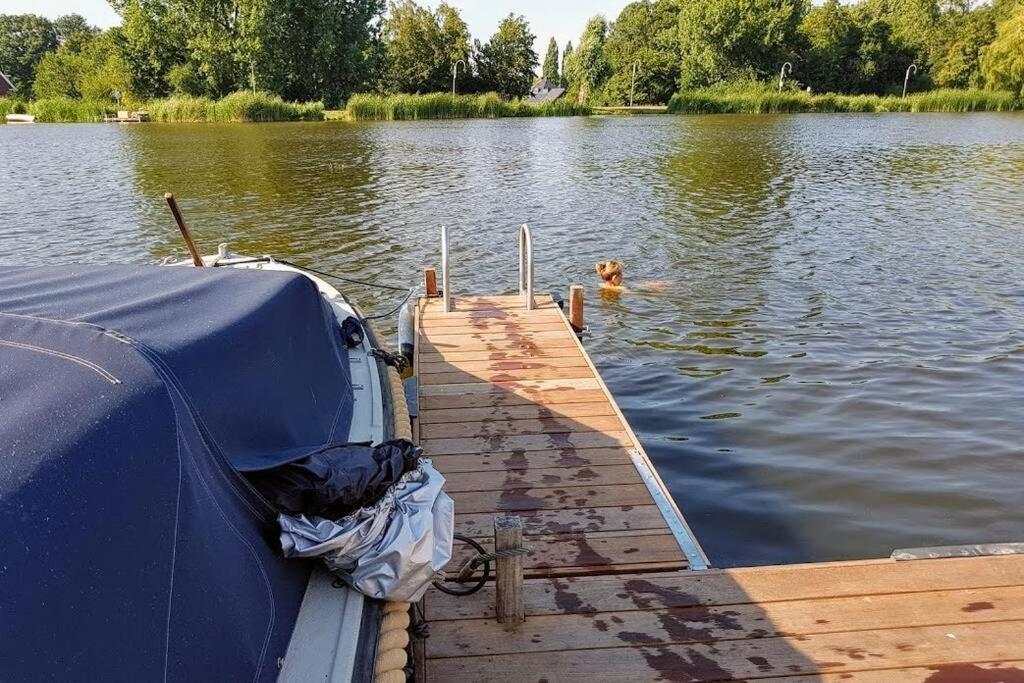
(130,398)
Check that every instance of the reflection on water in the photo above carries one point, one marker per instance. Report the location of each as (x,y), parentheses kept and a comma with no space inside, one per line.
(836,368)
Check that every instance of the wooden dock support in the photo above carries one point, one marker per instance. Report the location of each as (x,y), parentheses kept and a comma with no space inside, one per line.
(510,606)
(576,307)
(430,281)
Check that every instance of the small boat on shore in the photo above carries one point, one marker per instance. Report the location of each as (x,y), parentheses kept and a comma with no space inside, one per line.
(125,116)
(20,118)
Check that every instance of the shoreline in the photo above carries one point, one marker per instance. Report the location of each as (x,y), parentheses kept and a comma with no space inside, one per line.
(244,107)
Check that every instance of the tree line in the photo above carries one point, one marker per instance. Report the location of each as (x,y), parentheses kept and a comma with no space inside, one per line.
(863,47)
(328,49)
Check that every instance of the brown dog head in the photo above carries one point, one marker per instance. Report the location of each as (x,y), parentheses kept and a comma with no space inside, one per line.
(610,271)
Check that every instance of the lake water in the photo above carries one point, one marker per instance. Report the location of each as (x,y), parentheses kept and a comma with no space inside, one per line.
(835,367)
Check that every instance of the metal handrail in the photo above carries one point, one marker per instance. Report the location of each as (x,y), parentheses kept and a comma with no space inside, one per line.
(526,265)
(445,289)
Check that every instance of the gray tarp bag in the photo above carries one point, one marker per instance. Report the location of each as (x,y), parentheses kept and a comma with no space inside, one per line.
(390,550)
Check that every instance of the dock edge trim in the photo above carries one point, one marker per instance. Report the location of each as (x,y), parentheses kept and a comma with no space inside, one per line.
(695,557)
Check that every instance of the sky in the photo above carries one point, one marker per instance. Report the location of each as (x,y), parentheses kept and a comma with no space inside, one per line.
(563,19)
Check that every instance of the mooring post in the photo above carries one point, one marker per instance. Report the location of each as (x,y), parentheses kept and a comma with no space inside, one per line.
(510,606)
(430,281)
(576,308)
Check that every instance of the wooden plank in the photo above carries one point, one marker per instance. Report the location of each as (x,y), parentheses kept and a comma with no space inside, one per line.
(576,520)
(487,316)
(733,622)
(525,442)
(482,399)
(434,342)
(538,353)
(523,460)
(574,361)
(547,425)
(568,554)
(516,500)
(961,672)
(546,390)
(491,376)
(539,390)
(608,475)
(749,659)
(474,303)
(522,412)
(492,326)
(753,585)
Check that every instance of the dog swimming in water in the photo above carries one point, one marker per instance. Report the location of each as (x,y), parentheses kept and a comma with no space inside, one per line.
(610,272)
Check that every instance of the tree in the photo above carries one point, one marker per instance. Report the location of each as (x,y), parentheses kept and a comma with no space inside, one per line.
(911,22)
(724,39)
(955,53)
(421,47)
(830,57)
(507,61)
(91,68)
(566,57)
(24,39)
(588,68)
(1002,62)
(318,49)
(645,33)
(882,62)
(299,49)
(550,71)
(153,40)
(71,26)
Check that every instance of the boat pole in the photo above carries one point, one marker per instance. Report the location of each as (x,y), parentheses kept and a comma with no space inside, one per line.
(197,260)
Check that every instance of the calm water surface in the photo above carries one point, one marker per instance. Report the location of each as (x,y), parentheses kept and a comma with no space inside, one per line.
(834,369)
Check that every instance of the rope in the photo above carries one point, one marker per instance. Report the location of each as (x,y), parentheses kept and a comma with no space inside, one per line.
(264,259)
(341,277)
(498,554)
(395,360)
(394,310)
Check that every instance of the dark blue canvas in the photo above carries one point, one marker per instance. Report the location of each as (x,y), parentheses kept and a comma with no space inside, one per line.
(129,396)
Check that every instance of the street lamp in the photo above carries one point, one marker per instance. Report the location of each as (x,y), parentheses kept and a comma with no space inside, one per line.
(632,85)
(787,68)
(455,67)
(906,79)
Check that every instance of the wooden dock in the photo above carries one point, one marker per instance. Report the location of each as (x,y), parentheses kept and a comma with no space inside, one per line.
(514,414)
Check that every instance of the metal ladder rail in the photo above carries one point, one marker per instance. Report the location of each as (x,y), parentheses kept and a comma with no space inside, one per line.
(525,268)
(526,265)
(445,288)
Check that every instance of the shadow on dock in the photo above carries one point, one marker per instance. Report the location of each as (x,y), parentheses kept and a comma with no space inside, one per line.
(515,416)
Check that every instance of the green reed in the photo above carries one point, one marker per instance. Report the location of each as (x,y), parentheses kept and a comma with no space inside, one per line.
(368,107)
(761,98)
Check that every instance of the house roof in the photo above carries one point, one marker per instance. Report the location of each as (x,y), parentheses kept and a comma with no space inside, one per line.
(545,91)
(5,79)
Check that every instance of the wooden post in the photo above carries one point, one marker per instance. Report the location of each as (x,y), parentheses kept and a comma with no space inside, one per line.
(430,281)
(197,260)
(510,606)
(576,307)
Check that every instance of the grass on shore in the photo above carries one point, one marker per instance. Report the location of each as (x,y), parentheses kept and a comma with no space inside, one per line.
(10,105)
(763,99)
(240,106)
(445,106)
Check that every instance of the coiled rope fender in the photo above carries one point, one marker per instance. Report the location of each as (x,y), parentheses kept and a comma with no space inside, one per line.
(393,638)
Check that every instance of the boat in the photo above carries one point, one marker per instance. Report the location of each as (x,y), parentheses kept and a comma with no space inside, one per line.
(20,118)
(139,404)
(125,116)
